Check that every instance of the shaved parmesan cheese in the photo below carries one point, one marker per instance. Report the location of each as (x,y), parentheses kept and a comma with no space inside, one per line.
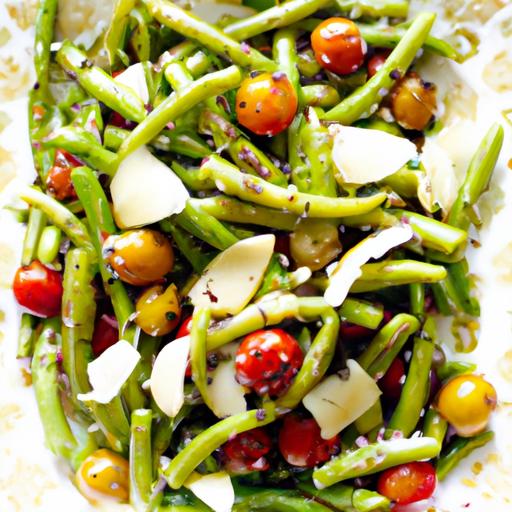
(336,403)
(215,489)
(226,394)
(345,272)
(231,279)
(108,372)
(168,376)
(135,78)
(364,156)
(144,190)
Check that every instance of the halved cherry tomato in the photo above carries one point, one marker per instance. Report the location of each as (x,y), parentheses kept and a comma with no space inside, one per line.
(338,45)
(301,444)
(59,177)
(408,483)
(106,333)
(267,361)
(183,331)
(246,452)
(392,381)
(376,62)
(39,289)
(266,103)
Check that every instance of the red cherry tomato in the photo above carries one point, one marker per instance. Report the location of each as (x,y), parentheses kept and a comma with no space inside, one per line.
(184,330)
(267,361)
(301,444)
(39,289)
(376,62)
(246,452)
(266,103)
(353,332)
(408,483)
(338,45)
(392,381)
(59,177)
(106,333)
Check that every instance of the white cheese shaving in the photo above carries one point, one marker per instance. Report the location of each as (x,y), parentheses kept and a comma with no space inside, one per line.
(365,156)
(231,279)
(336,403)
(168,376)
(135,78)
(215,489)
(108,372)
(345,272)
(144,190)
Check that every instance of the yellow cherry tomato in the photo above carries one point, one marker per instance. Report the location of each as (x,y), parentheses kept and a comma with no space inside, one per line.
(139,257)
(158,310)
(104,474)
(466,402)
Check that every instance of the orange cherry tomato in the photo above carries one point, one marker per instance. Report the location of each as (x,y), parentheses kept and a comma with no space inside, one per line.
(376,62)
(338,46)
(106,333)
(301,444)
(59,177)
(408,483)
(246,452)
(266,103)
(39,289)
(267,361)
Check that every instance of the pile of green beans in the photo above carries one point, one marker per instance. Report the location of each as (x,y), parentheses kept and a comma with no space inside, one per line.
(241,185)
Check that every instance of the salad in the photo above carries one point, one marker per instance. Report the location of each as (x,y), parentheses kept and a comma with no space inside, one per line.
(235,251)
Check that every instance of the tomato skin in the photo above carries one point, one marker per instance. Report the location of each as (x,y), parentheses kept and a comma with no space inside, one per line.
(408,483)
(105,334)
(59,177)
(338,46)
(158,310)
(185,327)
(266,103)
(267,361)
(392,381)
(39,289)
(247,450)
(376,62)
(301,444)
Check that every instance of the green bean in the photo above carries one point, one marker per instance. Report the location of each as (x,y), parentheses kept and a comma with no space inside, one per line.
(285,54)
(376,276)
(364,100)
(141,464)
(338,496)
(360,312)
(35,226)
(243,152)
(389,37)
(389,340)
(417,299)
(49,244)
(83,144)
(371,419)
(140,40)
(20,215)
(451,369)
(198,333)
(26,336)
(443,304)
(300,173)
(281,15)
(364,500)
(415,390)
(278,500)
(180,468)
(217,41)
(434,426)
(373,458)
(458,287)
(459,450)
(177,104)
(251,188)
(320,95)
(45,23)
(198,64)
(99,84)
(307,64)
(116,32)
(58,215)
(316,362)
(374,8)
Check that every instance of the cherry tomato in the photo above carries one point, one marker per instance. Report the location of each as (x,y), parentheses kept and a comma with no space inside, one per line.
(185,327)
(338,45)
(266,103)
(139,257)
(413,102)
(39,289)
(392,381)
(301,444)
(246,452)
(408,483)
(376,62)
(104,474)
(106,333)
(466,402)
(267,361)
(158,311)
(59,177)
